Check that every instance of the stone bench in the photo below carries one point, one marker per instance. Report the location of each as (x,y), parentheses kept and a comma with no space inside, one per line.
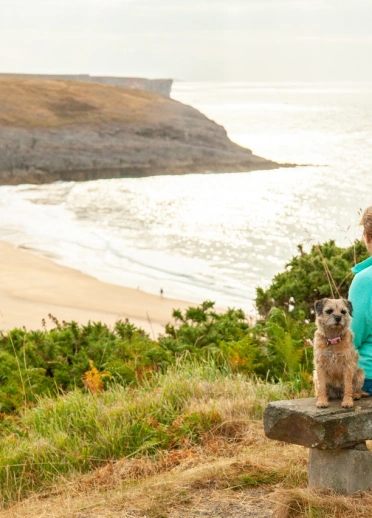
(339,458)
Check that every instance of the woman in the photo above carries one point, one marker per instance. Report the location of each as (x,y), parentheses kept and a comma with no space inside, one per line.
(360,295)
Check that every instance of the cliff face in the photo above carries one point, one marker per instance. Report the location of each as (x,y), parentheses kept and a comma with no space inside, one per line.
(64,130)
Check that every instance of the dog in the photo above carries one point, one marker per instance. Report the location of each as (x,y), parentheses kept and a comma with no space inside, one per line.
(336,372)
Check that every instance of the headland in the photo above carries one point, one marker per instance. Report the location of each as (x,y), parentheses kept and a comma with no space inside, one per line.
(53,130)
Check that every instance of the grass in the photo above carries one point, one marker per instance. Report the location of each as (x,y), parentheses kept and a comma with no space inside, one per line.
(301,502)
(78,432)
(213,476)
(181,444)
(45,103)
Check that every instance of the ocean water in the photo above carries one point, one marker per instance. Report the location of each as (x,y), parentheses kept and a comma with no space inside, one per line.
(215,236)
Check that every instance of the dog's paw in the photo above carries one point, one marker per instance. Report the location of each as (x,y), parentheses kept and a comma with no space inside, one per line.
(357,395)
(322,403)
(347,403)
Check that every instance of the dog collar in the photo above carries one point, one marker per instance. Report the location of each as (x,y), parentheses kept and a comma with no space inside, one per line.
(333,341)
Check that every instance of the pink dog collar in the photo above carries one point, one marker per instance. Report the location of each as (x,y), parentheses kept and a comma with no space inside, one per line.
(333,341)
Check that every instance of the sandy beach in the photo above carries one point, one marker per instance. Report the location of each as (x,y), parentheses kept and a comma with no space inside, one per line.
(31,287)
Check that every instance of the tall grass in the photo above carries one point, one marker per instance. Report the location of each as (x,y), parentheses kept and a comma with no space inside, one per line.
(76,432)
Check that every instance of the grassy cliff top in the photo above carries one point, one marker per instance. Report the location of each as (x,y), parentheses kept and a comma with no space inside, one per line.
(51,103)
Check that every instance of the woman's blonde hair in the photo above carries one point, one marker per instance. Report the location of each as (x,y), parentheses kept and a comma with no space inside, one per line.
(366,221)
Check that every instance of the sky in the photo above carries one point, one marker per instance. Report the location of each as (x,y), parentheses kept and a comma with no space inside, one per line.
(190,40)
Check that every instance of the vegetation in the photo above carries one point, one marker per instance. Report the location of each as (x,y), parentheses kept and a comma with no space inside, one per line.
(322,272)
(78,432)
(301,502)
(70,356)
(45,103)
(80,398)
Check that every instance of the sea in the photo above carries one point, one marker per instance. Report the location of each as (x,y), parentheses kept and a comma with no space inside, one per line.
(213,236)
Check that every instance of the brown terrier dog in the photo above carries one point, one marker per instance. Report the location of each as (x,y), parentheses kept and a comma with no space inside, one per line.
(336,372)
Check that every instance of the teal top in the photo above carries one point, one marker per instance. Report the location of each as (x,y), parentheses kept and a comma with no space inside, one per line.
(360,295)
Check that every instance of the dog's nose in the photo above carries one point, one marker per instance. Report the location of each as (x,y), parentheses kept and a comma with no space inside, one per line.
(338,319)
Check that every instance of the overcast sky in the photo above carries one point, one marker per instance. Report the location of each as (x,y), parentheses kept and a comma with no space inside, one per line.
(192,40)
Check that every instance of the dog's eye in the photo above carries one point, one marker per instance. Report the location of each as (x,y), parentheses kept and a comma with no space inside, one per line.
(329,311)
(343,311)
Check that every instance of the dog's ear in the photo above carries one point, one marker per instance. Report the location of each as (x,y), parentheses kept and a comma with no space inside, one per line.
(319,305)
(349,306)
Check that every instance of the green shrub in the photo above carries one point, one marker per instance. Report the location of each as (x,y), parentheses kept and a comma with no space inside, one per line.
(322,272)
(289,348)
(202,327)
(52,362)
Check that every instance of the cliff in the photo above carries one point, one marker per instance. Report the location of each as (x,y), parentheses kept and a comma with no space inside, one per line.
(65,130)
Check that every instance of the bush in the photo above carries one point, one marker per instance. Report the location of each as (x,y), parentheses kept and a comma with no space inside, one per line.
(56,361)
(323,272)
(72,356)
(52,362)
(202,327)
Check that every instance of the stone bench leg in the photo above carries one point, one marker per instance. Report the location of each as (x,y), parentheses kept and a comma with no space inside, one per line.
(346,471)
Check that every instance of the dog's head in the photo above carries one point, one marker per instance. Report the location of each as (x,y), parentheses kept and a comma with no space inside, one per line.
(333,315)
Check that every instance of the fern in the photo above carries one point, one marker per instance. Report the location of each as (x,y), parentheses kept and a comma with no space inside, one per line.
(287,344)
(93,379)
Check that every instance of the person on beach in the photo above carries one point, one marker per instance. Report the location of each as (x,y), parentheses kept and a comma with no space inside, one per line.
(360,295)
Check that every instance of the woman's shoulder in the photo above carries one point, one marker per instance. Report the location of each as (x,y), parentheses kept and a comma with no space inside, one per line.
(362,283)
(364,274)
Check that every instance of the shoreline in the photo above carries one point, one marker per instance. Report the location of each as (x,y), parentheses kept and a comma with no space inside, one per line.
(35,176)
(32,287)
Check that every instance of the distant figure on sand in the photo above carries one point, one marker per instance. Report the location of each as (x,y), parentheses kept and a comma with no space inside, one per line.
(161,292)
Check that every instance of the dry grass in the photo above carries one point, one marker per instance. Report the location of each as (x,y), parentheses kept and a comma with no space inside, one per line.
(252,477)
(220,477)
(188,405)
(307,503)
(50,103)
(233,470)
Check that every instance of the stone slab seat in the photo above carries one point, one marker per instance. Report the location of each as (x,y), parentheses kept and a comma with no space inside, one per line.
(339,458)
(299,421)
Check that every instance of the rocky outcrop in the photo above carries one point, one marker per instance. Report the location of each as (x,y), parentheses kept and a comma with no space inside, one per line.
(65,130)
(161,86)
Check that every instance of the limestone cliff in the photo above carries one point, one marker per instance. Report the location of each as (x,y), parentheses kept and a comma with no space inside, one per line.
(63,130)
